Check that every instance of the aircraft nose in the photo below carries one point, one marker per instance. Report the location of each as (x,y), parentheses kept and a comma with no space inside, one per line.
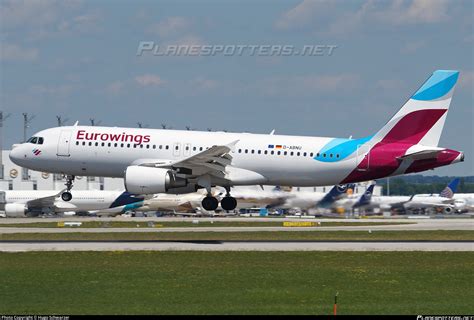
(16,154)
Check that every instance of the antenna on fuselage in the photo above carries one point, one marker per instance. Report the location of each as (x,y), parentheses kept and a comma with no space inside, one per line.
(273,132)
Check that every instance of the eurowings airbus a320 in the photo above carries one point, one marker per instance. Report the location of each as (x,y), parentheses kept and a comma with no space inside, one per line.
(172,161)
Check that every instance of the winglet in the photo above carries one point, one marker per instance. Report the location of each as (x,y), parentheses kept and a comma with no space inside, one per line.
(231,145)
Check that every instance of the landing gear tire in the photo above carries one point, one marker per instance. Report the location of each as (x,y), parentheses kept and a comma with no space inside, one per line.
(209,203)
(228,203)
(66,196)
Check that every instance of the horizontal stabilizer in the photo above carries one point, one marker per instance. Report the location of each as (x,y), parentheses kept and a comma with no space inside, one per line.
(418,152)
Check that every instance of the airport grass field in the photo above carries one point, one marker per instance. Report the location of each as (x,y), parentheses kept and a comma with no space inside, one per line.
(236,282)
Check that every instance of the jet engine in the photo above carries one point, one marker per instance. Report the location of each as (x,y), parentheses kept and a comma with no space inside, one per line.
(148,180)
(15,210)
(448,210)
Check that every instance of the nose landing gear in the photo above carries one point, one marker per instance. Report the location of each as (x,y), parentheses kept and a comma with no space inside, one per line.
(66,195)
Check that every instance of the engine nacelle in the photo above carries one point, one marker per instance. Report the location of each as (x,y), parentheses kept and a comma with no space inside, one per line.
(148,180)
(15,210)
(448,210)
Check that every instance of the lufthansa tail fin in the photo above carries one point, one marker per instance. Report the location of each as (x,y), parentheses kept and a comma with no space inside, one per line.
(334,194)
(422,117)
(366,197)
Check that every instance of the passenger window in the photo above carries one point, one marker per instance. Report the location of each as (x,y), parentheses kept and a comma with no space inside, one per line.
(194,148)
(246,151)
(337,155)
(77,143)
(240,150)
(297,154)
(109,144)
(317,154)
(148,146)
(304,154)
(115,144)
(121,145)
(200,149)
(176,148)
(273,152)
(167,147)
(324,155)
(259,151)
(330,155)
(90,143)
(141,146)
(291,153)
(279,152)
(128,145)
(160,146)
(154,146)
(312,154)
(285,153)
(253,151)
(96,144)
(103,144)
(265,151)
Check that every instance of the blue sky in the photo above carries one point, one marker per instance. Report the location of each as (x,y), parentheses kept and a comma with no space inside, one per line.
(78,59)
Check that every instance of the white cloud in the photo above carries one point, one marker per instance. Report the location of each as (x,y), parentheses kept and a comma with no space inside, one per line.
(309,84)
(13,52)
(170,26)
(46,18)
(303,14)
(314,14)
(115,87)
(61,90)
(149,80)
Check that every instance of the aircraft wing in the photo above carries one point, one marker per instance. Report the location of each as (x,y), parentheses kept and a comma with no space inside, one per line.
(211,161)
(45,202)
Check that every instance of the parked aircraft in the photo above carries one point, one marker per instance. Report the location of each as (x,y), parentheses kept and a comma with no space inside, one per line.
(26,203)
(171,161)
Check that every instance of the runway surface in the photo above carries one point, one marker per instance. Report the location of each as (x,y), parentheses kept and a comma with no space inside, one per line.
(416,224)
(23,246)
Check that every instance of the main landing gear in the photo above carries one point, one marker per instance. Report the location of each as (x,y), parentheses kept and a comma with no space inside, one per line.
(66,195)
(228,203)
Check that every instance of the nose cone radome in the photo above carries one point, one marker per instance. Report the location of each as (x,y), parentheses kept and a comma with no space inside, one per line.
(17,155)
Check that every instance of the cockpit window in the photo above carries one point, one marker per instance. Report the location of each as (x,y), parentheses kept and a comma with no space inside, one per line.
(32,140)
(35,140)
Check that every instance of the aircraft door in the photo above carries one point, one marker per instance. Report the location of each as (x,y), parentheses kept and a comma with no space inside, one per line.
(187,149)
(363,158)
(63,143)
(177,149)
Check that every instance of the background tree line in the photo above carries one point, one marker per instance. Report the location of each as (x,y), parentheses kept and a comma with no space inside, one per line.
(413,184)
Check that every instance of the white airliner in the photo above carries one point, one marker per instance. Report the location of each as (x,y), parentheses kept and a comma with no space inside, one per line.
(24,203)
(171,161)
